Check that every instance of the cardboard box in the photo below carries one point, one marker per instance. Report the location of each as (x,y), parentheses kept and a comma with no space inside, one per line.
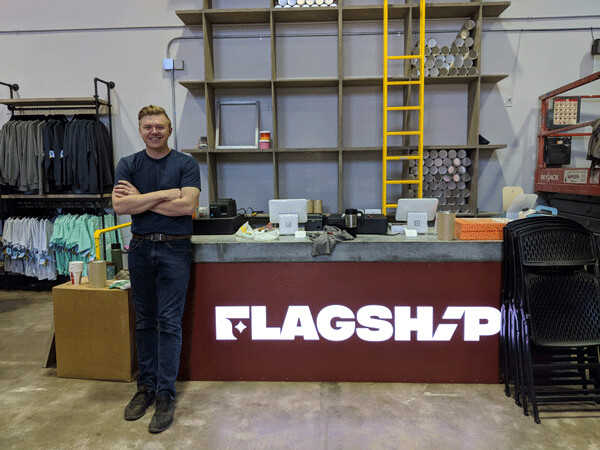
(94,333)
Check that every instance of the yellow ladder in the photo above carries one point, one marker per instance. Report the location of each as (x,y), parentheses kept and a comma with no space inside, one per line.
(386,82)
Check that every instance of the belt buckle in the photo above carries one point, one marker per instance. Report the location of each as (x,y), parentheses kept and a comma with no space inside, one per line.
(160,237)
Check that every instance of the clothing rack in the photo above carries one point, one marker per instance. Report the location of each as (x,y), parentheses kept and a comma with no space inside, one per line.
(92,104)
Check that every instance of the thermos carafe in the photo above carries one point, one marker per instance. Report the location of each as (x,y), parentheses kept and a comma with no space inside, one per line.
(352,218)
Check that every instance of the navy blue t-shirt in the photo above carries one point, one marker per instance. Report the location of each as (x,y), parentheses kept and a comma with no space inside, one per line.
(176,170)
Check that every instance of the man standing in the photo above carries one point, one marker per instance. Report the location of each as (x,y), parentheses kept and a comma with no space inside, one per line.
(159,188)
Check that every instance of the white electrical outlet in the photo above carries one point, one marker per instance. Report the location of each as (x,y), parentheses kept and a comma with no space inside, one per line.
(171,64)
(168,63)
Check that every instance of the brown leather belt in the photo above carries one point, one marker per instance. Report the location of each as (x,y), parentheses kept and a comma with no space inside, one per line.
(161,237)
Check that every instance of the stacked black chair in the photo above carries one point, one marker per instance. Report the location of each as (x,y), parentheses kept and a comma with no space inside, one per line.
(550,334)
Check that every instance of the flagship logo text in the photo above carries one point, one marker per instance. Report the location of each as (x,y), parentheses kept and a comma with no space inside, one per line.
(371,323)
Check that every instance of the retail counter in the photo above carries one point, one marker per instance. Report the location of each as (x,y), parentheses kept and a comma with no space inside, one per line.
(365,248)
(379,308)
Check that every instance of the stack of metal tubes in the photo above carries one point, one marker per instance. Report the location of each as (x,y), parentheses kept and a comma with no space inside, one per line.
(457,59)
(445,177)
(303,3)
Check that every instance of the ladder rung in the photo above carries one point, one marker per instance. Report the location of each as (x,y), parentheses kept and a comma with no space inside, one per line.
(402,83)
(404,57)
(391,205)
(402,108)
(402,133)
(398,158)
(402,182)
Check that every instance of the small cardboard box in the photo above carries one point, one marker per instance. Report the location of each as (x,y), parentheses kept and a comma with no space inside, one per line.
(94,333)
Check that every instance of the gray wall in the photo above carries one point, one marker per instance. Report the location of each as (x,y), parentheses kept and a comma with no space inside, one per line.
(56,48)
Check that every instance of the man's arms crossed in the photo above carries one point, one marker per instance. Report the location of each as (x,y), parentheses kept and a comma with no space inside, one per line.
(126,199)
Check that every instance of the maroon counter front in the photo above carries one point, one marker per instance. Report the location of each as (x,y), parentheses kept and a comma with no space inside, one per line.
(343,321)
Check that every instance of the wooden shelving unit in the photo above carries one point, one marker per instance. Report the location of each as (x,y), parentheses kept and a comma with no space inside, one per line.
(208,16)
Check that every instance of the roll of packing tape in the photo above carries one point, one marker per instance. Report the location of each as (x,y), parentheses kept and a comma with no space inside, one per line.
(97,274)
(318,207)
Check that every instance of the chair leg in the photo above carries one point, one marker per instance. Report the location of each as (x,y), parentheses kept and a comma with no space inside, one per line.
(529,377)
(504,349)
(520,395)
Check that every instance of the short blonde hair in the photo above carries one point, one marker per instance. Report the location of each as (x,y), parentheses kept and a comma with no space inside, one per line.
(153,110)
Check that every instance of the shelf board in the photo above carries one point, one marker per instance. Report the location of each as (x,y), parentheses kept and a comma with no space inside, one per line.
(226,84)
(269,151)
(363,81)
(458,10)
(190,16)
(378,81)
(223,16)
(202,151)
(306,82)
(494,9)
(344,149)
(492,147)
(307,150)
(290,82)
(426,147)
(350,13)
(362,149)
(333,82)
(72,101)
(229,84)
(493,78)
(193,85)
(330,14)
(465,79)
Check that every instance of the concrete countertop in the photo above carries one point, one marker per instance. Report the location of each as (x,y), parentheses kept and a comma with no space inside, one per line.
(365,248)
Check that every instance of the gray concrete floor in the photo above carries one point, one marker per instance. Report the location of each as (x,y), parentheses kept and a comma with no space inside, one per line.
(40,411)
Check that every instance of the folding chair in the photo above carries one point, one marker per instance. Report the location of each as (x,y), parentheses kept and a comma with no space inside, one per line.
(551,295)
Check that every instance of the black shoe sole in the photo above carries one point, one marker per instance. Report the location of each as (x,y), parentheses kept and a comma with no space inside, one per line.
(159,430)
(132,418)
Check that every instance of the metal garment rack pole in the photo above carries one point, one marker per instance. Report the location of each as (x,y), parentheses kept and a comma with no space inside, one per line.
(13,88)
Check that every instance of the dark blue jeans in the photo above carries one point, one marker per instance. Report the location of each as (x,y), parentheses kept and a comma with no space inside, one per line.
(160,273)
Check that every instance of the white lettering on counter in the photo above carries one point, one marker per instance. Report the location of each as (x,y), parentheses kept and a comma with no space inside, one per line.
(371,323)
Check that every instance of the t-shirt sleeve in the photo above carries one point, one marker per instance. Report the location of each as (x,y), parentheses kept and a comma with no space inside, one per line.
(122,171)
(191,174)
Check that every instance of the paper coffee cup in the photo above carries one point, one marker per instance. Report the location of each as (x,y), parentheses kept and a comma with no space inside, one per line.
(75,271)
